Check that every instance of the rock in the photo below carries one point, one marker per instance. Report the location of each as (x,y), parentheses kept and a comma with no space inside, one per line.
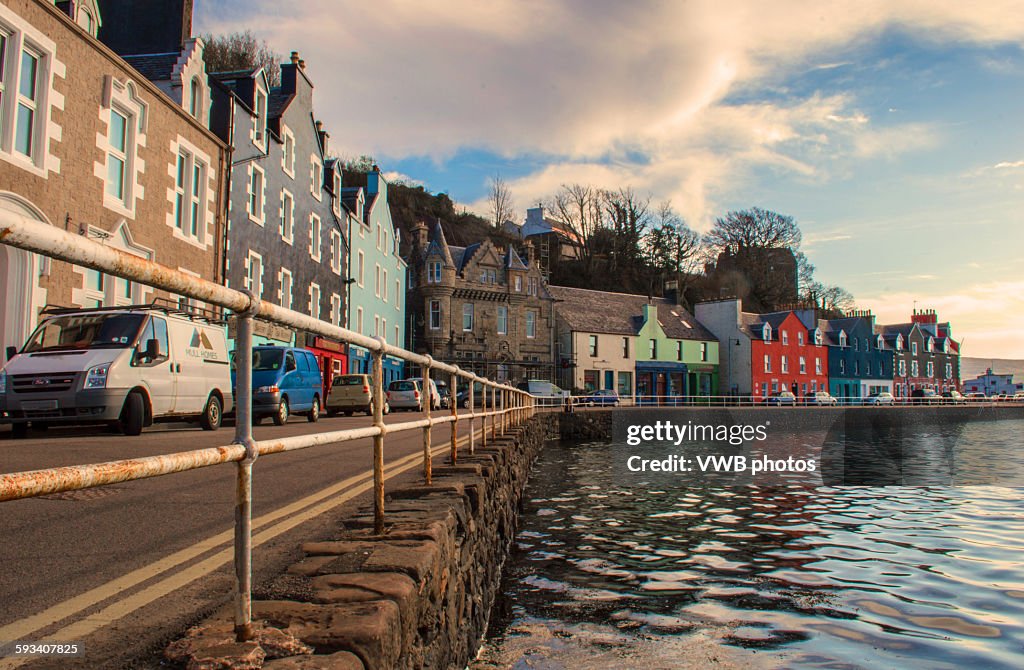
(342,660)
(228,656)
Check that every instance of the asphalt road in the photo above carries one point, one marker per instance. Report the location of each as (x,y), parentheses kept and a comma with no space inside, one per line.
(85,561)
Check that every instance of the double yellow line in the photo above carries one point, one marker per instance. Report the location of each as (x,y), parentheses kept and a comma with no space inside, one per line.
(265,528)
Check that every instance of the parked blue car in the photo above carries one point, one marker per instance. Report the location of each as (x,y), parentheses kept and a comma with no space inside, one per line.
(285,381)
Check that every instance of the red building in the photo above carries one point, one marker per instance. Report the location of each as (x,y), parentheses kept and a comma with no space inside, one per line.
(786,354)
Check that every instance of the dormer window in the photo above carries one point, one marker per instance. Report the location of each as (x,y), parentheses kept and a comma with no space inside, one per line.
(434,272)
(931,345)
(766,333)
(913,350)
(785,337)
(879,343)
(817,336)
(945,346)
(87,20)
(195,98)
(259,137)
(842,339)
(899,343)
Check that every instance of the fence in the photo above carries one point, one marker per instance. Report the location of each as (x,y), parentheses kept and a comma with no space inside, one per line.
(600,400)
(509,406)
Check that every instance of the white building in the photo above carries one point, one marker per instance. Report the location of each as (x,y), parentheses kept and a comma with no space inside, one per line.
(992,384)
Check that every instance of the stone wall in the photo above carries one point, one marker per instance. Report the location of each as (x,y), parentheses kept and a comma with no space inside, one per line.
(418,596)
(585,425)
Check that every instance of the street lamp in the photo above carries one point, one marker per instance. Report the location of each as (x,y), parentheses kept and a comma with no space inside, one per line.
(729,347)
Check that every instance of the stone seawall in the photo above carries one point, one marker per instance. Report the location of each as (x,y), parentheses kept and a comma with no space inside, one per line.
(418,596)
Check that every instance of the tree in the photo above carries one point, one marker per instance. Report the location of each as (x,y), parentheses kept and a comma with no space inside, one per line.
(579,208)
(754,228)
(241,51)
(628,218)
(500,201)
(673,248)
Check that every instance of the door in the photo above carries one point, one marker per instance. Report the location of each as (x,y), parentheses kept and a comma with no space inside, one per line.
(194,355)
(292,383)
(158,374)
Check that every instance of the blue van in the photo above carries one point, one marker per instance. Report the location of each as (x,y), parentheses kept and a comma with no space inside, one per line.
(285,380)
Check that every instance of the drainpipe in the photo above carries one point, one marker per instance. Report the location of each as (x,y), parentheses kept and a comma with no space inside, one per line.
(226,207)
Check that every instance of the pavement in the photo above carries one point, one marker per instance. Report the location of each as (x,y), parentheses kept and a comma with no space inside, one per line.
(122,569)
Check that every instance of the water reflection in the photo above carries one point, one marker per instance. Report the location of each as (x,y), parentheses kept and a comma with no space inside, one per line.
(782,575)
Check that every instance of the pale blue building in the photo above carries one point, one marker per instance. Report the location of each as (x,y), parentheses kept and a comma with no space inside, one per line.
(377,274)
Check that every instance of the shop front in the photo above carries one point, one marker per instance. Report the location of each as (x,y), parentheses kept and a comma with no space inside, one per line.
(361,362)
(330,355)
(661,383)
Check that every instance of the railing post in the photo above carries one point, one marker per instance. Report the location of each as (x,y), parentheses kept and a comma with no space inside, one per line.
(455,417)
(504,410)
(378,439)
(243,488)
(494,407)
(472,416)
(427,465)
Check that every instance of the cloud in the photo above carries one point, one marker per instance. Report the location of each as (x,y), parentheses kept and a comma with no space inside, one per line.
(1007,166)
(988,317)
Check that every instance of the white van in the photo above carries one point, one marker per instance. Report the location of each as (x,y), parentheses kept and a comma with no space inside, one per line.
(126,366)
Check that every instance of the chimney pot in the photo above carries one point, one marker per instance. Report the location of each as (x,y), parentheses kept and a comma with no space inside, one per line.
(320,126)
(302,64)
(295,58)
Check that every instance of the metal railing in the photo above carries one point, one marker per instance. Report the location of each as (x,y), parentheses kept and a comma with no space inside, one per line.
(510,406)
(668,401)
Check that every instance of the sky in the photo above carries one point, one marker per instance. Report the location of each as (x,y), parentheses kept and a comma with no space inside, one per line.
(892,131)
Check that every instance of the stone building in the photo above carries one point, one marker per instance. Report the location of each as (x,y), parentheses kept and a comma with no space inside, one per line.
(479,307)
(286,228)
(89,144)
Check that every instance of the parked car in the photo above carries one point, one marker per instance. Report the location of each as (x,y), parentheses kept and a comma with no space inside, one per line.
(462,397)
(880,398)
(545,392)
(435,395)
(821,398)
(127,367)
(352,393)
(953,398)
(781,398)
(977,396)
(445,394)
(924,397)
(285,381)
(602,397)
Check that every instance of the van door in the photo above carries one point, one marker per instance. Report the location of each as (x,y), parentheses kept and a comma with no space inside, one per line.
(316,380)
(292,382)
(157,374)
(199,358)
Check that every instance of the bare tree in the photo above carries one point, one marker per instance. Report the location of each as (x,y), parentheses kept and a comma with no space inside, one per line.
(500,200)
(754,228)
(579,208)
(628,217)
(241,51)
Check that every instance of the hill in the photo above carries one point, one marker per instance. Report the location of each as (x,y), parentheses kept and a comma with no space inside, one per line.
(971,368)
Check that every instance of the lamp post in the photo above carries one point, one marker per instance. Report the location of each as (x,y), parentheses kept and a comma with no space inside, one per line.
(729,347)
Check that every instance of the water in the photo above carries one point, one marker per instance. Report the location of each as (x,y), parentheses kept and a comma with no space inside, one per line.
(611,572)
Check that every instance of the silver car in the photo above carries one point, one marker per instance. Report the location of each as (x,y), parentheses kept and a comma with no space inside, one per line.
(404,394)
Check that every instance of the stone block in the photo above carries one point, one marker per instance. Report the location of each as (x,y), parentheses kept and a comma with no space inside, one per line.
(342,660)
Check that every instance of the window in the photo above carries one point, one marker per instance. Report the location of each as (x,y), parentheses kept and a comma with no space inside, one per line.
(287,217)
(317,177)
(842,339)
(398,337)
(915,369)
(593,346)
(785,337)
(189,197)
(398,293)
(359,319)
(949,371)
(704,351)
(467,316)
(384,285)
(856,368)
(336,309)
(531,324)
(625,383)
(257,195)
(101,290)
(519,284)
(817,337)
(86,21)
(767,363)
(383,328)
(376,325)
(899,343)
(285,297)
(28,104)
(254,274)
(842,366)
(376,280)
(335,251)
(867,344)
(502,320)
(288,153)
(117,155)
(360,267)
(434,272)
(931,369)
(625,347)
(800,338)
(679,351)
(654,349)
(803,366)
(259,137)
(903,368)
(766,332)
(195,98)
(314,300)
(856,344)
(533,286)
(435,315)
(913,348)
(817,366)
(315,237)
(785,364)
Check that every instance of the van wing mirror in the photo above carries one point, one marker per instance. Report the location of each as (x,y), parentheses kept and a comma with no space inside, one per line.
(12,352)
(152,351)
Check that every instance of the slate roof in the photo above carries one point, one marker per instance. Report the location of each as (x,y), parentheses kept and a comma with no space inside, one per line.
(439,245)
(154,67)
(513,261)
(590,311)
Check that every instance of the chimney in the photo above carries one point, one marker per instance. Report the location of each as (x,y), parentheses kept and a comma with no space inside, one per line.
(295,58)
(132,27)
(530,253)
(323,135)
(302,65)
(419,235)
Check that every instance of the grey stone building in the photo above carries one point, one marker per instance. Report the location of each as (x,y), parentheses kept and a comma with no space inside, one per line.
(480,307)
(286,229)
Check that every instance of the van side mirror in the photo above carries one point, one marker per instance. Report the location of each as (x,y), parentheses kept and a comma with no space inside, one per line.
(152,351)
(12,352)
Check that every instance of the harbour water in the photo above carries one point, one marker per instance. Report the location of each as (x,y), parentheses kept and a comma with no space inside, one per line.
(617,572)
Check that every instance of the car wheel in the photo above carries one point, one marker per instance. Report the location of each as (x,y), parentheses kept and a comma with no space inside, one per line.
(369,409)
(314,412)
(133,414)
(387,408)
(211,418)
(19,431)
(348,412)
(281,416)
(40,425)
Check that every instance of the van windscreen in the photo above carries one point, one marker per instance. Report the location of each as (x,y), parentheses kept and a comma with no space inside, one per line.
(85,331)
(266,359)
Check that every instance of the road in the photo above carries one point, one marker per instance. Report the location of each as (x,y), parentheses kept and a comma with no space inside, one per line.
(124,568)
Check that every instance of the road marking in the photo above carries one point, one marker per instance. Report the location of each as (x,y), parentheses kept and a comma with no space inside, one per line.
(26,627)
